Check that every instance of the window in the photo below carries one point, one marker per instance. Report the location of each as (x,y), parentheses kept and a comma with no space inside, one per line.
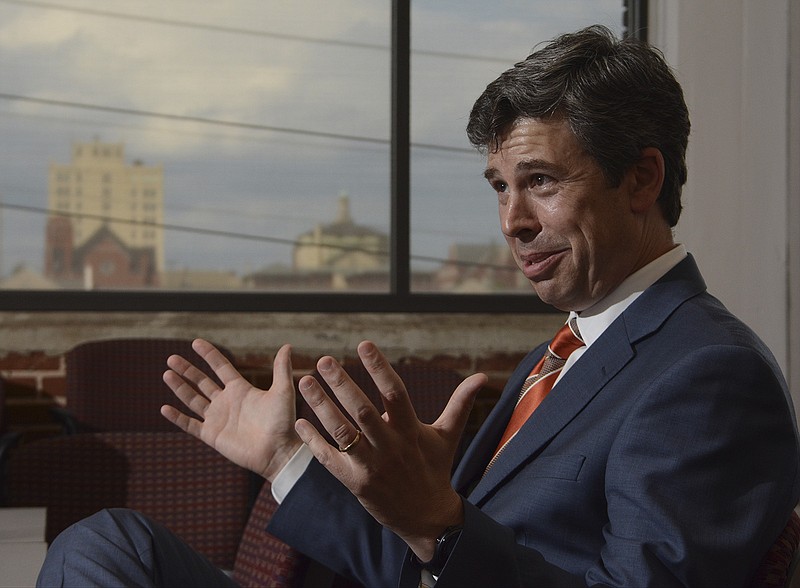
(286,146)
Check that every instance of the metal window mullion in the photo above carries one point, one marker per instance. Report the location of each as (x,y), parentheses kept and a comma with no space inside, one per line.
(400,176)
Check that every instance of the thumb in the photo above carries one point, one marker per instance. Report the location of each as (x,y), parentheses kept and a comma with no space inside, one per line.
(454,417)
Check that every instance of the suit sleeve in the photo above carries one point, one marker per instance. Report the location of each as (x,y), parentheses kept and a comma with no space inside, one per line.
(487,554)
(323,520)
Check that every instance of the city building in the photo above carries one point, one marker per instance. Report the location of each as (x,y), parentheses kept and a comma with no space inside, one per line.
(337,256)
(342,246)
(98,191)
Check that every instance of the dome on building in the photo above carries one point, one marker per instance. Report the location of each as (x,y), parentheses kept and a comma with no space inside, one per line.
(342,245)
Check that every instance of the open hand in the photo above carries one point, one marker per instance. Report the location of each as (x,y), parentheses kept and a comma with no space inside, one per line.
(398,467)
(253,428)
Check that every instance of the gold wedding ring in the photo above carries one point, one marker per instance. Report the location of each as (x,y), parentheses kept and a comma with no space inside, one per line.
(352,444)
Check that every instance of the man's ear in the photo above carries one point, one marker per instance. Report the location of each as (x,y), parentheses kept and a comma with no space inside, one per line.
(647,177)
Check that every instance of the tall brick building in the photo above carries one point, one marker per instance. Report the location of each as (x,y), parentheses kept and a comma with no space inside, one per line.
(104,228)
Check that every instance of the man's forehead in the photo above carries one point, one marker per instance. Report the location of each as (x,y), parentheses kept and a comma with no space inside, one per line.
(533,139)
(552,123)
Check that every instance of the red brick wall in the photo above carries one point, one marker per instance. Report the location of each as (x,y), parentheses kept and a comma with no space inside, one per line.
(32,346)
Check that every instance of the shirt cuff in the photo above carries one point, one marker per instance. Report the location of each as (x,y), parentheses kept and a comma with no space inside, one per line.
(291,472)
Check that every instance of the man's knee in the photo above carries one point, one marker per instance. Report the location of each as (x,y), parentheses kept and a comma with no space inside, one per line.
(112,546)
(122,547)
(117,526)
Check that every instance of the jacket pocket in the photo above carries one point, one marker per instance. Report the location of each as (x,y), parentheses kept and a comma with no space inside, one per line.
(561,467)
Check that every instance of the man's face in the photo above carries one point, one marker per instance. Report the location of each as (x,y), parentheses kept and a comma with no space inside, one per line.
(572,236)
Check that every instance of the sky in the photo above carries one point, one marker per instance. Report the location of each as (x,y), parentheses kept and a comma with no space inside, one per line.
(267,77)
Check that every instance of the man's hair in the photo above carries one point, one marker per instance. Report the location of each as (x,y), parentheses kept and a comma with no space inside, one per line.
(617,96)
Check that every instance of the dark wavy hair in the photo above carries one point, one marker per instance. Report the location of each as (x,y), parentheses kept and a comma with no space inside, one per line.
(617,96)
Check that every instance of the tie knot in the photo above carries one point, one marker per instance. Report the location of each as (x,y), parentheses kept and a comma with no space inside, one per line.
(567,340)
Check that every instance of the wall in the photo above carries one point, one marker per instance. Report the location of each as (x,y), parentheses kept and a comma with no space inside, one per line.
(738,62)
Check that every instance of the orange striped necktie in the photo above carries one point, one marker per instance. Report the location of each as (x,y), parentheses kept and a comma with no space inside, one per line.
(541,379)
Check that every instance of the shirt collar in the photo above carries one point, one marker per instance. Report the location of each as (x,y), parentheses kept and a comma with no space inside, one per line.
(597,318)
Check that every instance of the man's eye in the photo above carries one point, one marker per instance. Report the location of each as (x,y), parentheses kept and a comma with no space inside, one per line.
(541,179)
(500,186)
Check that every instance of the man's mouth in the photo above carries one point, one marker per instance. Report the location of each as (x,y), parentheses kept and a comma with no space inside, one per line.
(539,266)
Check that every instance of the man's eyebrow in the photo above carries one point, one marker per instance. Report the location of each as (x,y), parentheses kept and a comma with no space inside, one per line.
(527,166)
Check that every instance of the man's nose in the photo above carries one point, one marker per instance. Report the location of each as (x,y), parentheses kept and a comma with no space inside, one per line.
(518,217)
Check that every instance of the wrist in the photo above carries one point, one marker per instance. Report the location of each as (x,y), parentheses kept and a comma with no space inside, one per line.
(280,458)
(425,543)
(445,543)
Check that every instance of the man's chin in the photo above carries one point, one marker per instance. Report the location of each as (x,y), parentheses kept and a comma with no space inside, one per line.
(550,296)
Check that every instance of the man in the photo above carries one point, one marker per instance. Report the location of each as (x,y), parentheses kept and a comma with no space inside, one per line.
(665,454)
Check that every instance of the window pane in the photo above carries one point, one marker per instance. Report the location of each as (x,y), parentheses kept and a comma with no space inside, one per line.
(195,145)
(457,49)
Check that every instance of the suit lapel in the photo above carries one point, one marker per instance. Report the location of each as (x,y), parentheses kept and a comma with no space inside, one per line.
(596,367)
(482,448)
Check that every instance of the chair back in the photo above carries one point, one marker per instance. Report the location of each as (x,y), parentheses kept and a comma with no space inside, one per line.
(171,477)
(116,384)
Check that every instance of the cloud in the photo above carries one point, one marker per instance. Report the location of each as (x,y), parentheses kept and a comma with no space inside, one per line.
(229,72)
(24,29)
(295,64)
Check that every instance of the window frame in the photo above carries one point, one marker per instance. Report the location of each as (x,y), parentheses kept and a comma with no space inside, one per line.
(399,299)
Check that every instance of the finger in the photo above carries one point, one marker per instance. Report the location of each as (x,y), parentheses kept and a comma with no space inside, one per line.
(329,457)
(282,369)
(396,401)
(216,361)
(186,392)
(331,417)
(192,375)
(353,399)
(182,421)
(455,415)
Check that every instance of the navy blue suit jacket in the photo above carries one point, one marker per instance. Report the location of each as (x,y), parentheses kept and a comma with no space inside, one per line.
(667,455)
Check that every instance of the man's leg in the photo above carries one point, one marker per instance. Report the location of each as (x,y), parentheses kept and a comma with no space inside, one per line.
(120,547)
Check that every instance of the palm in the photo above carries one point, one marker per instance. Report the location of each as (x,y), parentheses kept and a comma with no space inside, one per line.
(254,428)
(237,424)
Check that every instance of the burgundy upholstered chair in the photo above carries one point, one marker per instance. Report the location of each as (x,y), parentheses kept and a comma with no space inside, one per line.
(172,477)
(263,560)
(116,385)
(8,439)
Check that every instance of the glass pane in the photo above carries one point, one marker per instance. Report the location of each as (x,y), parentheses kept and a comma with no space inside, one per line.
(457,49)
(195,145)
